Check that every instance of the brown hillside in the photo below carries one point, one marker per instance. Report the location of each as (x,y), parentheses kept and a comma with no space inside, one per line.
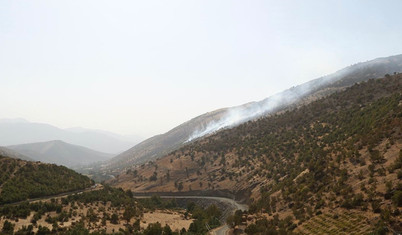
(343,151)
(163,144)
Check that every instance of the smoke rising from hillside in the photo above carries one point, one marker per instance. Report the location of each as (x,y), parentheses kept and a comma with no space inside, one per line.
(240,114)
(323,86)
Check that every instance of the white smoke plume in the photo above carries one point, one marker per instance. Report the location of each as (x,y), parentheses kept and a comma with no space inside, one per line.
(240,114)
(244,113)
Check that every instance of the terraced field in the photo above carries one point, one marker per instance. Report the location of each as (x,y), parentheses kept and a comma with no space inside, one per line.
(342,223)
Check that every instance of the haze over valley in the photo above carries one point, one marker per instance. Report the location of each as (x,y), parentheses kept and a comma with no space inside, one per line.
(60,153)
(200,117)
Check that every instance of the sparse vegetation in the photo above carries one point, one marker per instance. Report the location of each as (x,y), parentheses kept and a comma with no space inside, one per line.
(92,212)
(335,152)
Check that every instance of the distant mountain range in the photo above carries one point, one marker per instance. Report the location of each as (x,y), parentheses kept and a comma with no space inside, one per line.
(211,122)
(20,131)
(59,152)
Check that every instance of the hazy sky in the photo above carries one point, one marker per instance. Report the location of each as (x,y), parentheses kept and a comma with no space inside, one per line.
(143,67)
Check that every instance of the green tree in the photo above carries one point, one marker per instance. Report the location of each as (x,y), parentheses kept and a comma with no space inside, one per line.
(153,229)
(180,186)
(154,177)
(114,219)
(397,198)
(129,213)
(235,219)
(167,230)
(43,230)
(8,227)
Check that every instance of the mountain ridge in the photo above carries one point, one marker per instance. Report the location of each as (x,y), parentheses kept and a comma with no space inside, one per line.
(61,153)
(162,144)
(14,133)
(13,154)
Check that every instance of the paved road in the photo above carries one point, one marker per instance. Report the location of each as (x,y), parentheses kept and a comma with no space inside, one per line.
(222,230)
(92,188)
(218,231)
(235,204)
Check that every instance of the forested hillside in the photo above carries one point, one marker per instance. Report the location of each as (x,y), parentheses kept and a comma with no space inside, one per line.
(339,153)
(21,180)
